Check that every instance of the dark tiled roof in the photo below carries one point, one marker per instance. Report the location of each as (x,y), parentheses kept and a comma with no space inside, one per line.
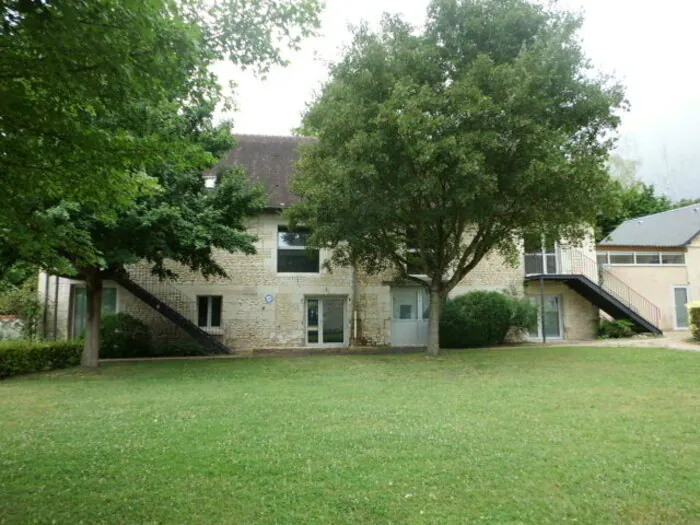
(669,228)
(269,160)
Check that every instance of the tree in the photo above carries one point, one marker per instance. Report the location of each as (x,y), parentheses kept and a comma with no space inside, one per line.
(456,141)
(634,199)
(106,127)
(87,86)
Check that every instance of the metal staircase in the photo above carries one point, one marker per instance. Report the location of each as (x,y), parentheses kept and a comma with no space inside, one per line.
(168,301)
(597,284)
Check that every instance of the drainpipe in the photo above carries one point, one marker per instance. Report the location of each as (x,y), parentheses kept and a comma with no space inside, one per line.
(47,279)
(544,335)
(55,310)
(355,294)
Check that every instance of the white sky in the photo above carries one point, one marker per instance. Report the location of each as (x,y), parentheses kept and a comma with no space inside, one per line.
(651,46)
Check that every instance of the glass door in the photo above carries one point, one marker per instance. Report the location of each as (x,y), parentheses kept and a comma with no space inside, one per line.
(680,299)
(325,320)
(552,317)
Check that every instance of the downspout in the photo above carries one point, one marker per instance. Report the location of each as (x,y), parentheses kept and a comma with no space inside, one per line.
(55,310)
(355,295)
(47,280)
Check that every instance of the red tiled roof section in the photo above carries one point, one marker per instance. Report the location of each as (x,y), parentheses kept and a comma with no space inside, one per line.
(270,160)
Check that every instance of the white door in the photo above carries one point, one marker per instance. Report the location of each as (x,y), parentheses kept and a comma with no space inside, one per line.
(410,311)
(680,299)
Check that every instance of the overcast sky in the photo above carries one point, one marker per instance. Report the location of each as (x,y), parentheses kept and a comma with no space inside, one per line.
(651,46)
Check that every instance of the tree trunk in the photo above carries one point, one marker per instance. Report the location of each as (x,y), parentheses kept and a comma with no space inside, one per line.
(93,292)
(434,322)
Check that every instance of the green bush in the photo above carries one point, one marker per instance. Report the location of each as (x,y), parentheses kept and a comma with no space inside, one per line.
(23,301)
(483,319)
(122,335)
(694,318)
(616,329)
(26,357)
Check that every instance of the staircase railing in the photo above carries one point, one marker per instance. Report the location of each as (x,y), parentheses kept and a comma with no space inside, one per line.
(571,261)
(164,290)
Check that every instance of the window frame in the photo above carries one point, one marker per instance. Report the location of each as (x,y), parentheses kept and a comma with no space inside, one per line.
(210,298)
(279,251)
(73,304)
(635,258)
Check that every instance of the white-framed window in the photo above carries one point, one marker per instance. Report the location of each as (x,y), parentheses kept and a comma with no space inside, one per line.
(209,311)
(79,306)
(641,258)
(292,253)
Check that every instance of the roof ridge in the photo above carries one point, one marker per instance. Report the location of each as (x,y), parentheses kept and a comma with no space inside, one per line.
(633,219)
(266,136)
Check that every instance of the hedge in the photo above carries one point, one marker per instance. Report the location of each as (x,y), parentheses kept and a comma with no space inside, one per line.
(694,318)
(25,357)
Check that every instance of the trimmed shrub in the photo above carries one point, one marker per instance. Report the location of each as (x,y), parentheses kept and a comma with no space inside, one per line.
(122,335)
(26,357)
(483,319)
(694,318)
(615,329)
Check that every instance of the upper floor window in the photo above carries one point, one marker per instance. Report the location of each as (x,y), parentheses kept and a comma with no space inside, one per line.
(641,258)
(210,181)
(209,311)
(292,253)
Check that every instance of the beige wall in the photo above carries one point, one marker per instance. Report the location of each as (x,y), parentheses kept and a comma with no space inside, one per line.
(579,317)
(249,322)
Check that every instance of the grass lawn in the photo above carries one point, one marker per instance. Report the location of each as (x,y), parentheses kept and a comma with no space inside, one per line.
(585,435)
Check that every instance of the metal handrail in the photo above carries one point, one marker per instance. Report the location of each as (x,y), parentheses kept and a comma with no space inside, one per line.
(571,261)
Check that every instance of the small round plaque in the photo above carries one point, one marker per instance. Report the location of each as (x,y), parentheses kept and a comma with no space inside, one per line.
(268,299)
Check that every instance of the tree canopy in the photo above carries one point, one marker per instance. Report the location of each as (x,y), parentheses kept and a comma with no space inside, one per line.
(456,140)
(90,90)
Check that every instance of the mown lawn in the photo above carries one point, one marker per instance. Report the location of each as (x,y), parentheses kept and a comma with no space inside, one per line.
(585,435)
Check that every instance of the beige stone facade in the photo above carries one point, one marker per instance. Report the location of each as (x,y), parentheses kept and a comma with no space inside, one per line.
(264,309)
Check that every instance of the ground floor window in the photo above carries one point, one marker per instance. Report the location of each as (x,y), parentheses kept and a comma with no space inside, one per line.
(325,320)
(552,317)
(209,311)
(109,306)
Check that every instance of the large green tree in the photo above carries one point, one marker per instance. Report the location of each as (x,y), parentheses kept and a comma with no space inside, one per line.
(456,140)
(106,127)
(87,88)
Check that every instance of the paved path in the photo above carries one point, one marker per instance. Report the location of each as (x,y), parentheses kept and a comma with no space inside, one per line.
(680,340)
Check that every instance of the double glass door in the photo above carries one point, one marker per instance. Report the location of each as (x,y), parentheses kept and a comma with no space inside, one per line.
(325,320)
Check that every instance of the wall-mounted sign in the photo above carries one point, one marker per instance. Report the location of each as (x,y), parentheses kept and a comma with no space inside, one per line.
(268,299)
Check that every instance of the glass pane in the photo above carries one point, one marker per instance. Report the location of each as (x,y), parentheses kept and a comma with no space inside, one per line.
(681,298)
(333,320)
(551,316)
(297,261)
(215,311)
(621,258)
(291,240)
(312,320)
(534,328)
(425,295)
(673,258)
(202,310)
(602,257)
(109,301)
(533,264)
(405,303)
(551,263)
(79,310)
(648,258)
(532,243)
